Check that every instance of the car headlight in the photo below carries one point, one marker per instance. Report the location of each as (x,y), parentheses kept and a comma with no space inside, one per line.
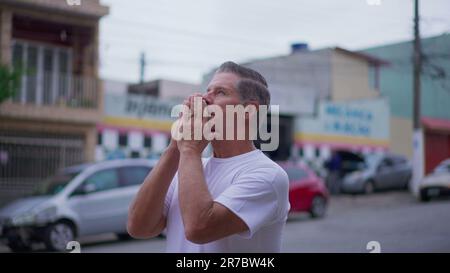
(41,216)
(46,215)
(24,219)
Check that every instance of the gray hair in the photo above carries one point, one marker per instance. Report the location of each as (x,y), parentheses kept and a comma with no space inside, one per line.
(252,90)
(252,86)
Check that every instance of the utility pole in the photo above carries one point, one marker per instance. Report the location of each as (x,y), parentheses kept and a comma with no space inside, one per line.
(143,64)
(418,162)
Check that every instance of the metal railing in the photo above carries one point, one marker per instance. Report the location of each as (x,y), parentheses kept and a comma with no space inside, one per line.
(25,161)
(64,90)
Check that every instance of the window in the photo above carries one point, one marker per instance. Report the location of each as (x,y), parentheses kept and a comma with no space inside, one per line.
(442,168)
(47,77)
(64,78)
(130,176)
(135,154)
(147,141)
(103,180)
(317,152)
(398,160)
(386,163)
(32,69)
(47,72)
(55,184)
(18,64)
(99,138)
(374,77)
(123,140)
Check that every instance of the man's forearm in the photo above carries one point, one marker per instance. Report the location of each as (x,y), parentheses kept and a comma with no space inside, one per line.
(147,209)
(195,199)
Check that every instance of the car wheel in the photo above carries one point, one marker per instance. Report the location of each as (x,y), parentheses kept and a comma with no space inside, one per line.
(318,207)
(424,196)
(369,187)
(124,236)
(407,183)
(58,235)
(19,246)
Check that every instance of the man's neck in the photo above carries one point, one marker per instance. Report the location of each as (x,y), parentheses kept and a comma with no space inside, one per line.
(225,149)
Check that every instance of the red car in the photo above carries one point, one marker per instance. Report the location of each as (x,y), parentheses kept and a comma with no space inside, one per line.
(307,192)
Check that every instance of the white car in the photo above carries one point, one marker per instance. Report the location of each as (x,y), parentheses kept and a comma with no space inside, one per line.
(437,183)
(81,200)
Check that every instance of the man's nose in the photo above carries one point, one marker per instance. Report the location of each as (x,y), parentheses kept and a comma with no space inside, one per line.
(208,98)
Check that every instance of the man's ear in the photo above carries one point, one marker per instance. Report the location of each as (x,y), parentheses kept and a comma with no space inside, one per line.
(251,107)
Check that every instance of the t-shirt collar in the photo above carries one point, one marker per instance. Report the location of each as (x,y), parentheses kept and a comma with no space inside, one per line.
(234,158)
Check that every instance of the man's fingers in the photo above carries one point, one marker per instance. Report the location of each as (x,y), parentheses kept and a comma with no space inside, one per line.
(189,101)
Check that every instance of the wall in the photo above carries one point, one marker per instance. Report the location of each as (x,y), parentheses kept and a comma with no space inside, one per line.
(137,118)
(5,35)
(350,78)
(177,90)
(295,81)
(401,136)
(396,79)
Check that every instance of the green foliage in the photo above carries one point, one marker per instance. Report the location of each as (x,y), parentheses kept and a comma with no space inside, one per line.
(9,82)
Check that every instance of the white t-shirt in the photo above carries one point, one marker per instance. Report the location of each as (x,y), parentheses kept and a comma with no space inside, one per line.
(252,186)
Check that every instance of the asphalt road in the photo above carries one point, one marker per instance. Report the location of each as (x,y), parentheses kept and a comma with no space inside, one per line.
(395,220)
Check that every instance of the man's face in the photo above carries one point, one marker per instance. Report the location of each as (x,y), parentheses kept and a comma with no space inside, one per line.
(222,90)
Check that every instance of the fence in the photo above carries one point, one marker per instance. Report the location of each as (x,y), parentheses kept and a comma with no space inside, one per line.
(25,161)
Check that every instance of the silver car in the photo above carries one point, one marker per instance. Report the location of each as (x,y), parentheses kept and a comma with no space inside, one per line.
(81,200)
(437,183)
(380,172)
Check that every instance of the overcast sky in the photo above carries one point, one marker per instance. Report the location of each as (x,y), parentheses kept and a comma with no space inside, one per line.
(184,39)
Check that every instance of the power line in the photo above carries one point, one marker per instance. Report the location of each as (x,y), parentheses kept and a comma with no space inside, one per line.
(177,47)
(165,29)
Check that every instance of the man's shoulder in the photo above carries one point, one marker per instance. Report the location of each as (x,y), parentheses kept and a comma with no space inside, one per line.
(267,169)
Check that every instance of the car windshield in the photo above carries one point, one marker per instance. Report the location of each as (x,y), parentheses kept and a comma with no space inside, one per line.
(372,160)
(443,168)
(54,184)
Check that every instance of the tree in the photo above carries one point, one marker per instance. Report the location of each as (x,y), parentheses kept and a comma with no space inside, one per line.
(9,82)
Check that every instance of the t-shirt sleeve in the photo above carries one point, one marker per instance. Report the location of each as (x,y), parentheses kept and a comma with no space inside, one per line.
(258,197)
(169,195)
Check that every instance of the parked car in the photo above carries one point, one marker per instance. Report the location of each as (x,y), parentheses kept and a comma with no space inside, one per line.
(379,172)
(338,165)
(81,200)
(437,183)
(307,192)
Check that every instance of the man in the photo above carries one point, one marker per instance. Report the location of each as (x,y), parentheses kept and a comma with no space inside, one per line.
(235,201)
(334,177)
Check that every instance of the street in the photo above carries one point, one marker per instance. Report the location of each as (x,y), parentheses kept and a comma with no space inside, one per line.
(394,219)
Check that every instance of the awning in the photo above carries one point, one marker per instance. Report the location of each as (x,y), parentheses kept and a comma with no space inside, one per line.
(436,124)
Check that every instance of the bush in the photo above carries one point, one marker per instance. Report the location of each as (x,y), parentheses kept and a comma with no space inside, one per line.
(9,82)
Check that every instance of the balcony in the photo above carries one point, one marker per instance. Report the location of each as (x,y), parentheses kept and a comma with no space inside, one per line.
(49,90)
(56,97)
(58,90)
